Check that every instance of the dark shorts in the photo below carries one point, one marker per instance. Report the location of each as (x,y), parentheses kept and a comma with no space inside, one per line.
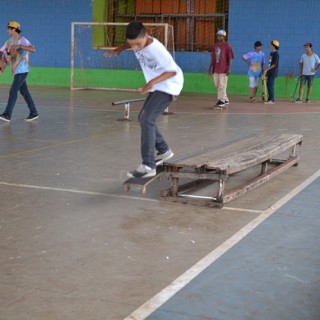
(307,79)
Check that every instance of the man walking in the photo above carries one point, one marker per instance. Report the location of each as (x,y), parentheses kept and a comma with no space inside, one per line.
(16,50)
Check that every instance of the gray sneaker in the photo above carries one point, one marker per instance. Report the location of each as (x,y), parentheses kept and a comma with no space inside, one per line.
(142,171)
(31,117)
(161,158)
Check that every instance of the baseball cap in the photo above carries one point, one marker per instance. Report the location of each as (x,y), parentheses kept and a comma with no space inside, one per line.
(308,44)
(222,33)
(257,44)
(275,43)
(14,24)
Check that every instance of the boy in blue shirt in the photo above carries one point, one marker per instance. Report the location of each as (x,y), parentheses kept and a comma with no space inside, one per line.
(255,60)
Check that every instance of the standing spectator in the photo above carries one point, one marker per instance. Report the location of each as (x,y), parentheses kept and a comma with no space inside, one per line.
(220,67)
(255,60)
(272,71)
(309,65)
(16,50)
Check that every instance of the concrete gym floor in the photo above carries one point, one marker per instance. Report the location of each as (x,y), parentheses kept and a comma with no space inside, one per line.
(74,245)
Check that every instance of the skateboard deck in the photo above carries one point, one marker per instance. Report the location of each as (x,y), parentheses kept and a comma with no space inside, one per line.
(264,89)
(3,65)
(140,184)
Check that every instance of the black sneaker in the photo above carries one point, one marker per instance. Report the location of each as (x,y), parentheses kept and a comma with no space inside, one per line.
(31,117)
(307,100)
(142,171)
(161,158)
(298,100)
(4,117)
(226,102)
(220,104)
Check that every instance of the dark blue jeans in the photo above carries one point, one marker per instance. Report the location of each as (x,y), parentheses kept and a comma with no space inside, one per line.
(270,86)
(151,138)
(19,84)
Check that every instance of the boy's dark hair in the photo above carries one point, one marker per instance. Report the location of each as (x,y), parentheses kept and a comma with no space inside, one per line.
(135,30)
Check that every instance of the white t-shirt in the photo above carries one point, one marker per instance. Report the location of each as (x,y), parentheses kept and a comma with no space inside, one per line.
(309,62)
(155,59)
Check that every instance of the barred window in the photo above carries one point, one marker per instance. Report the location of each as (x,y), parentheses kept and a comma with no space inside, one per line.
(195,22)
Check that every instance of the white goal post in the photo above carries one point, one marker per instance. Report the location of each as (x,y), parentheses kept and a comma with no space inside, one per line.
(91,70)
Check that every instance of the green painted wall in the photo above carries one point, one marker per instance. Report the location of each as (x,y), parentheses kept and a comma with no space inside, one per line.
(194,82)
(99,13)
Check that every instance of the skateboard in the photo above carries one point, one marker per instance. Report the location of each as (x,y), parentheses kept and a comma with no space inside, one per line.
(140,184)
(264,88)
(3,65)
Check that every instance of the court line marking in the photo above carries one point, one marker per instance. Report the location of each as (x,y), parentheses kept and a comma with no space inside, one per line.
(164,295)
(241,209)
(19,185)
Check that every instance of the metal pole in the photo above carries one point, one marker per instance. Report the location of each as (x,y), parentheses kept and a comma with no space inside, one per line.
(72,57)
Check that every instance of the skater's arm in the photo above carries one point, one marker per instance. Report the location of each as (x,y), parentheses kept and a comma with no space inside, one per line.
(162,77)
(118,50)
(29,48)
(246,61)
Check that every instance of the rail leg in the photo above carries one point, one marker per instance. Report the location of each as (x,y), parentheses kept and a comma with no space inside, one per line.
(126,116)
(127,111)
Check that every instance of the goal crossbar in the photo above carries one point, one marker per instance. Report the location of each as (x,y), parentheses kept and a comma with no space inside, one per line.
(88,48)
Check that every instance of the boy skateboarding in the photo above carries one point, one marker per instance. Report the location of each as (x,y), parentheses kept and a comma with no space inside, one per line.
(164,80)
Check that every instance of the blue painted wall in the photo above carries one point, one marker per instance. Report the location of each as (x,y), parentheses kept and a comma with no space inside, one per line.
(291,22)
(47,24)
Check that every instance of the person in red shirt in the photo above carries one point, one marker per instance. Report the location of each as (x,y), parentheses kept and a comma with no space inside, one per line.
(220,67)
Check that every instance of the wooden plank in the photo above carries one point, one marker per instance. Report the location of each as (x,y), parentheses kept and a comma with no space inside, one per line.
(195,175)
(252,184)
(254,155)
(241,155)
(199,158)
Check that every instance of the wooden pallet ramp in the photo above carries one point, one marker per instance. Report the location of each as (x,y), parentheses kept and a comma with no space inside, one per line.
(217,165)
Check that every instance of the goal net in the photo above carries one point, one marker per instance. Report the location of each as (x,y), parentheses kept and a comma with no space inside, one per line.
(91,70)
